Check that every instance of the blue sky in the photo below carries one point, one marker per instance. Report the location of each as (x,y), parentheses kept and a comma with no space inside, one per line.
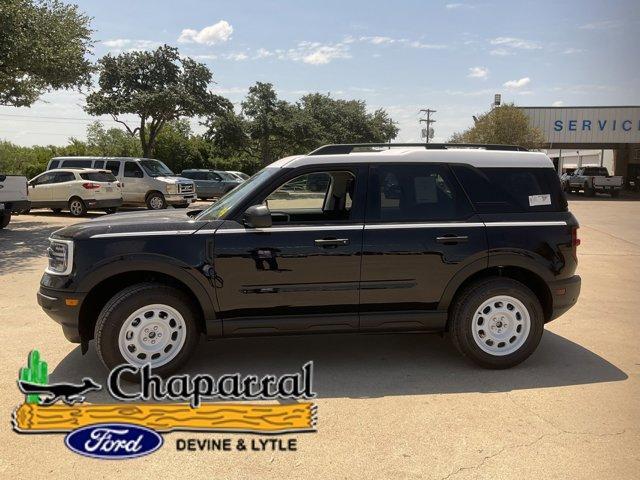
(451,56)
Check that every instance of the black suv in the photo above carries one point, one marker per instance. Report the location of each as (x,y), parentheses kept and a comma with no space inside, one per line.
(475,241)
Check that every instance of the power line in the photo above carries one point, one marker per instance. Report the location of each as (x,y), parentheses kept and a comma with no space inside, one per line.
(428,121)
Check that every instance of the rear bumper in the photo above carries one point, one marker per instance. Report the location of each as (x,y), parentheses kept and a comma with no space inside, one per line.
(53,303)
(564,294)
(108,203)
(16,207)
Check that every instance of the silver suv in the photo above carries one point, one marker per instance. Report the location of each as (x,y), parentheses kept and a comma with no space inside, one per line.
(144,181)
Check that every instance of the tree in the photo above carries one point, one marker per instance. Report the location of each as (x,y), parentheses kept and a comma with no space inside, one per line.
(504,125)
(112,142)
(158,87)
(268,128)
(43,45)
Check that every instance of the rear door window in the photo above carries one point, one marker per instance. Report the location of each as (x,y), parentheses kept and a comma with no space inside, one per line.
(62,177)
(414,193)
(511,190)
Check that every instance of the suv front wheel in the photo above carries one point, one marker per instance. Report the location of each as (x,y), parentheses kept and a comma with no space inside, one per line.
(147,323)
(497,322)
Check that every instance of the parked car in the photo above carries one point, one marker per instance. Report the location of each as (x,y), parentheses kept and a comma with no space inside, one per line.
(240,175)
(477,242)
(76,190)
(145,182)
(13,197)
(592,180)
(211,183)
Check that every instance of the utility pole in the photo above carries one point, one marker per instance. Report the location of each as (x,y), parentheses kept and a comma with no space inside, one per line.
(428,121)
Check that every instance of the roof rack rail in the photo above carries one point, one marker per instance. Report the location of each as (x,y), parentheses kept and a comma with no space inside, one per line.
(345,148)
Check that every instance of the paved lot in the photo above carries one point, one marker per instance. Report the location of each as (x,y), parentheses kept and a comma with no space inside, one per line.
(390,406)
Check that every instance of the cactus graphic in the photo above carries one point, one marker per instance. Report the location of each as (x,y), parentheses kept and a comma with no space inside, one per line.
(34,372)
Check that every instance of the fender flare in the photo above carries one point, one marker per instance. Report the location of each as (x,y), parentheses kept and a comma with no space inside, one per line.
(169,266)
(506,259)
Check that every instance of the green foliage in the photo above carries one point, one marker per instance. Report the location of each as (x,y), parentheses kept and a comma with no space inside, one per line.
(269,128)
(35,372)
(505,125)
(158,87)
(43,45)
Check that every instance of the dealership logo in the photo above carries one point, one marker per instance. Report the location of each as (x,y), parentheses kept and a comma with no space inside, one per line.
(132,424)
(113,441)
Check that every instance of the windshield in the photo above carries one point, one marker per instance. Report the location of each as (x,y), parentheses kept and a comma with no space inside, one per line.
(218,210)
(226,175)
(155,168)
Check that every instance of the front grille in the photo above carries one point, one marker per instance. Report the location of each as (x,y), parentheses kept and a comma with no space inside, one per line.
(185,187)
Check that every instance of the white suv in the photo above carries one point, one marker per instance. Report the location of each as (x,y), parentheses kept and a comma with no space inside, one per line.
(76,190)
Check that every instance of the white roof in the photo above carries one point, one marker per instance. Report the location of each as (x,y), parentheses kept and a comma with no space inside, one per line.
(472,156)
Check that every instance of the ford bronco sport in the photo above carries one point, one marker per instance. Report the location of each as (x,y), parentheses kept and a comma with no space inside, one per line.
(473,240)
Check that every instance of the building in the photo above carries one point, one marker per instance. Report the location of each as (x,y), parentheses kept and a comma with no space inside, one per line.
(571,129)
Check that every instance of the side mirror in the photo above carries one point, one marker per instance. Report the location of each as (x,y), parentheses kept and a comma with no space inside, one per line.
(257,216)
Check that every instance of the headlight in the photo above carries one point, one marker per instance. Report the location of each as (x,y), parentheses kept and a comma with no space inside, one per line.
(172,188)
(60,253)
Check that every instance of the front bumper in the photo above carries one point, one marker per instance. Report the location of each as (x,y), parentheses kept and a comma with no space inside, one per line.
(53,302)
(564,294)
(107,203)
(180,199)
(16,207)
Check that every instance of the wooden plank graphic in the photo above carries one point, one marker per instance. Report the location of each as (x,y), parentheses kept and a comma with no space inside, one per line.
(219,417)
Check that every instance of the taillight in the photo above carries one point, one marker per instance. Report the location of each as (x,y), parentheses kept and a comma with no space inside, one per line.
(90,185)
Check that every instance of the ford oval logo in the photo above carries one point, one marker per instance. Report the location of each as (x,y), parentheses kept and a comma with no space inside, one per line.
(113,441)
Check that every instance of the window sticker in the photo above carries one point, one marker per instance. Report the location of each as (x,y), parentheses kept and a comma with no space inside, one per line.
(537,200)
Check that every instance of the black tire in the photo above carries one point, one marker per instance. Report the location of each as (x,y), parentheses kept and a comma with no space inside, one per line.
(615,193)
(182,205)
(110,210)
(5,218)
(588,191)
(462,317)
(56,210)
(77,207)
(156,201)
(124,303)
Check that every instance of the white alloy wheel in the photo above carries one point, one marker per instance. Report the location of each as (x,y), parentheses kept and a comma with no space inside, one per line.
(501,325)
(75,207)
(152,334)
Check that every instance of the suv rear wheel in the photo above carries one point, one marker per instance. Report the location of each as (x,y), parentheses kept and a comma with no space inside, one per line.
(77,208)
(497,322)
(147,323)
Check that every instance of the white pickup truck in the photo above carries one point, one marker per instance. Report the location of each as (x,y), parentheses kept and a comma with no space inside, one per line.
(13,197)
(592,180)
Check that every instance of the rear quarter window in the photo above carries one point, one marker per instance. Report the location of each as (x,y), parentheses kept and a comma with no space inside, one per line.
(98,177)
(512,190)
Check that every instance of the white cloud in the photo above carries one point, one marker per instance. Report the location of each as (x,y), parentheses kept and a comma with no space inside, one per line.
(571,51)
(236,56)
(315,53)
(512,42)
(205,57)
(263,53)
(500,52)
(479,72)
(452,6)
(378,40)
(430,46)
(516,84)
(557,103)
(602,25)
(122,44)
(217,33)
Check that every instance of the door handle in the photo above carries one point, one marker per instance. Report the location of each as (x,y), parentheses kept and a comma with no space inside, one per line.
(331,242)
(452,239)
